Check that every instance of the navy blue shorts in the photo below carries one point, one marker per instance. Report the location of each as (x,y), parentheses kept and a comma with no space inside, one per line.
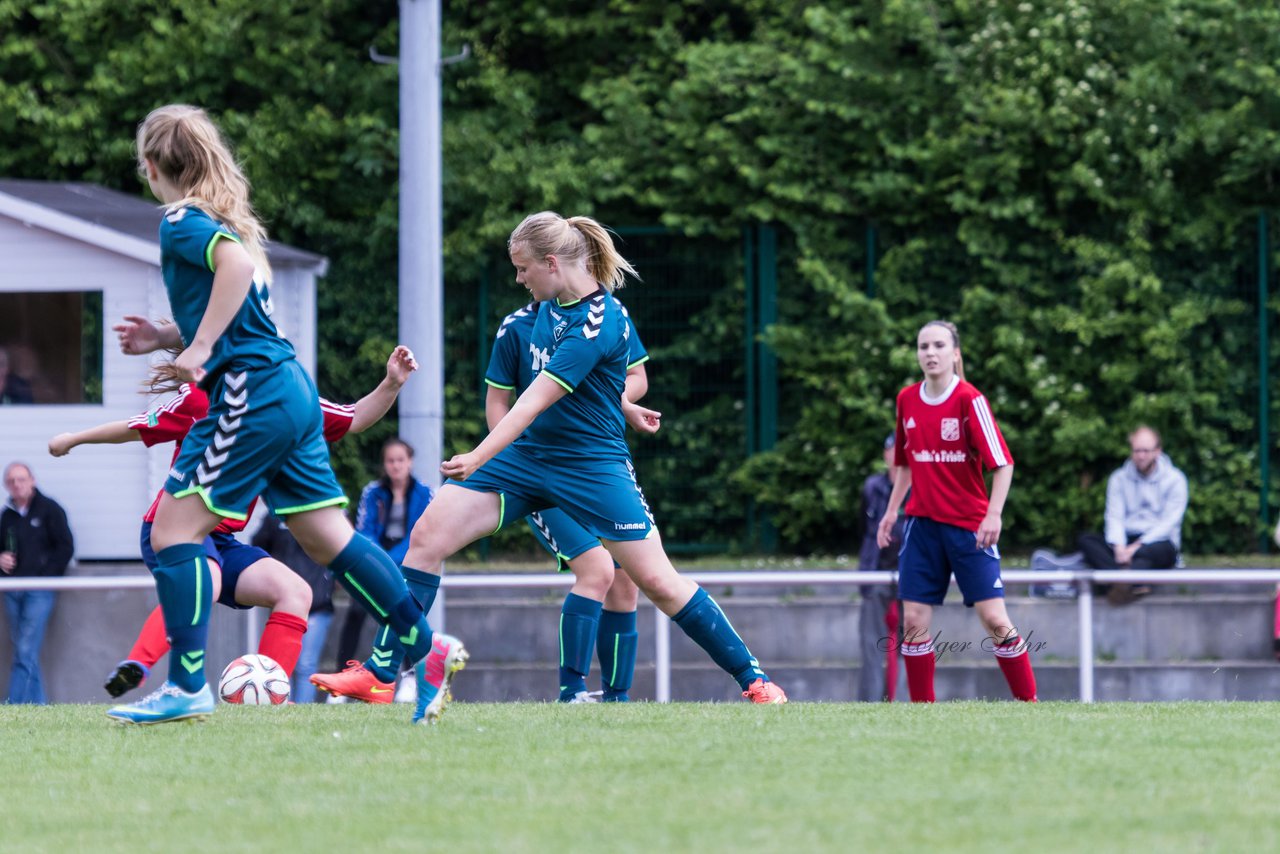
(235,558)
(933,551)
(231,556)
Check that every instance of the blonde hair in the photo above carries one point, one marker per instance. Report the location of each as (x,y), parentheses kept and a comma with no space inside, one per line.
(163,376)
(576,240)
(955,341)
(185,146)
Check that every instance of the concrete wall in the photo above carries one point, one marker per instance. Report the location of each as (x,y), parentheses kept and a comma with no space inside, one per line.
(1214,646)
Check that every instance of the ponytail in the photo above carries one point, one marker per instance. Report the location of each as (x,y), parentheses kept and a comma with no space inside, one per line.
(163,377)
(185,146)
(577,240)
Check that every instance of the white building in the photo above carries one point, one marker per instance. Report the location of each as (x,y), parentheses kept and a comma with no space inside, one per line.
(77,257)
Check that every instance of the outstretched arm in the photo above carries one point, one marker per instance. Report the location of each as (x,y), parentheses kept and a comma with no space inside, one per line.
(138,335)
(111,433)
(374,405)
(540,394)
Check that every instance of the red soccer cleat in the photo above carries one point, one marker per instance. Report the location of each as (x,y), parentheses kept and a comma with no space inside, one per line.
(764,692)
(355,682)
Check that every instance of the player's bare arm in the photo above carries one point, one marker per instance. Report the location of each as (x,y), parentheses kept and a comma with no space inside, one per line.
(540,395)
(989,530)
(232,278)
(138,335)
(370,408)
(111,433)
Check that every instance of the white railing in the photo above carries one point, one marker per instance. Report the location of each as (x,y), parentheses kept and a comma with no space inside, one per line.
(1083,580)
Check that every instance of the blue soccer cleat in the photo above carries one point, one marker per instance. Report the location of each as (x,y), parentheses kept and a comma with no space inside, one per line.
(434,676)
(168,703)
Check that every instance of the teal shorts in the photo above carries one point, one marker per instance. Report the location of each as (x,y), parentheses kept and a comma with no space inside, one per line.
(264,435)
(600,495)
(561,536)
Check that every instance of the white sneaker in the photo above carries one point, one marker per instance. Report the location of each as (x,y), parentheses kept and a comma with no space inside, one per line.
(334,698)
(407,690)
(586,697)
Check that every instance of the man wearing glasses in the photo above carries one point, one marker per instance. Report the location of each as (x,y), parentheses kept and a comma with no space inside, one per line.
(1146,500)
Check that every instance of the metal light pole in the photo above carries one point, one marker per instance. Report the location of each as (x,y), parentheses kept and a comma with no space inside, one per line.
(421,233)
(422,242)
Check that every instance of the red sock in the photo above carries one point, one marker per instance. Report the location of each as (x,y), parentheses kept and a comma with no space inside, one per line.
(920,663)
(152,642)
(1278,612)
(891,652)
(282,639)
(1015,661)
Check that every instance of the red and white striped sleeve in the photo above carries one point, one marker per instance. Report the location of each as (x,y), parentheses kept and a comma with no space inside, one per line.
(987,438)
(337,419)
(172,419)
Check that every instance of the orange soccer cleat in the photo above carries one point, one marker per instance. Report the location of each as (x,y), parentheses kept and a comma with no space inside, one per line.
(764,692)
(355,682)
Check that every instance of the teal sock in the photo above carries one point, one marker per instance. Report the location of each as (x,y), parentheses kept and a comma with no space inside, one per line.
(373,579)
(184,586)
(423,585)
(388,652)
(616,648)
(579,621)
(704,622)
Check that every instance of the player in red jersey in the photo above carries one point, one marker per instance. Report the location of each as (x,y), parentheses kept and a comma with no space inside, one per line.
(244,576)
(945,435)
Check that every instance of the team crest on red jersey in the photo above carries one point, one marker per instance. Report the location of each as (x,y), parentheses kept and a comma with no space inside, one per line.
(951,429)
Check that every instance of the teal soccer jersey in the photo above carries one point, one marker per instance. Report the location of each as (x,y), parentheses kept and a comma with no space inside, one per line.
(511,361)
(511,367)
(188,236)
(583,346)
(574,456)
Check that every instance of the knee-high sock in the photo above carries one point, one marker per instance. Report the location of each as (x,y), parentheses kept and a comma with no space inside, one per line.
(282,639)
(1015,662)
(616,649)
(388,652)
(152,642)
(579,623)
(185,586)
(704,622)
(373,579)
(921,663)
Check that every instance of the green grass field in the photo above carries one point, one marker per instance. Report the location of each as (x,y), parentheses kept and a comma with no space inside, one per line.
(987,777)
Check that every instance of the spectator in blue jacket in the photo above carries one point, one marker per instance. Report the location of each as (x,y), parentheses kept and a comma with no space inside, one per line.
(389,507)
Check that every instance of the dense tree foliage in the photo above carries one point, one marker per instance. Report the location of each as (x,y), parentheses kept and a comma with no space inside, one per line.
(1076,184)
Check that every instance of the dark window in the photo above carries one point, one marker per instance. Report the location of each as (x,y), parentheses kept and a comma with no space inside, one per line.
(51,347)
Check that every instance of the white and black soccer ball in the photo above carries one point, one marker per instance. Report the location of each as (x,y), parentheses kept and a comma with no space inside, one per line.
(254,680)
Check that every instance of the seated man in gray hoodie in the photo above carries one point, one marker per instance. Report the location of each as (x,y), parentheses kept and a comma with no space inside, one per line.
(1146,500)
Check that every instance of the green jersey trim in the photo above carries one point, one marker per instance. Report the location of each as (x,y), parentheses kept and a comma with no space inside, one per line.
(340,501)
(639,361)
(568,304)
(208,502)
(213,241)
(567,387)
(499,385)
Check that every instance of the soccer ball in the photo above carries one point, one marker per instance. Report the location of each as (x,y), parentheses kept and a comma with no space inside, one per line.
(254,680)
